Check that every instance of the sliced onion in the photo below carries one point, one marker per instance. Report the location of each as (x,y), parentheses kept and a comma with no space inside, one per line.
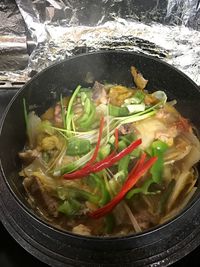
(33,128)
(178,209)
(161,96)
(183,179)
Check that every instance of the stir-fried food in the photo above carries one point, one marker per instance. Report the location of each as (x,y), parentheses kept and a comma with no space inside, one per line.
(110,160)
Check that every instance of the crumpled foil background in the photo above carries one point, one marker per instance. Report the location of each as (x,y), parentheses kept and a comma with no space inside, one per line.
(13,49)
(166,29)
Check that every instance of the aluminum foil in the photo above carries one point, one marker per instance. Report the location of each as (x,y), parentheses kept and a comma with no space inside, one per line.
(166,29)
(11,22)
(13,40)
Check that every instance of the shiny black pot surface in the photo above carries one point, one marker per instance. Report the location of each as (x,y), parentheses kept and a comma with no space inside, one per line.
(162,245)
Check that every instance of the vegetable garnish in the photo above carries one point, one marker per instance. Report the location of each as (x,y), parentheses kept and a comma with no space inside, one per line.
(105,163)
(137,172)
(94,156)
(158,149)
(78,146)
(69,114)
(138,165)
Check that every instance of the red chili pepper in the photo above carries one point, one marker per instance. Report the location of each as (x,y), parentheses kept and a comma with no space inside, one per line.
(132,179)
(138,165)
(94,156)
(105,163)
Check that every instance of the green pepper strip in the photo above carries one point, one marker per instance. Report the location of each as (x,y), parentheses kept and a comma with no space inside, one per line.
(89,113)
(158,149)
(117,111)
(75,193)
(77,146)
(105,196)
(87,124)
(124,162)
(69,207)
(86,112)
(104,151)
(90,119)
(123,165)
(144,189)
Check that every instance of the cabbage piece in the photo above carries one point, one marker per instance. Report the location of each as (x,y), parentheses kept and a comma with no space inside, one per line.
(194,156)
(33,128)
(134,108)
(178,151)
(148,129)
(186,178)
(178,209)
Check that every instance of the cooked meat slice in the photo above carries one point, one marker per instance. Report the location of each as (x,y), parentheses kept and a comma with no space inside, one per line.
(118,94)
(42,198)
(99,93)
(81,230)
(126,129)
(29,155)
(57,113)
(145,219)
(48,115)
(139,80)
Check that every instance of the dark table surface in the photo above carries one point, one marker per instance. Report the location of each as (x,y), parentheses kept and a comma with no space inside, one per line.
(13,255)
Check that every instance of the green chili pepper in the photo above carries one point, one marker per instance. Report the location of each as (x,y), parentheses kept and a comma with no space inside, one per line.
(87,119)
(65,169)
(139,95)
(105,196)
(136,99)
(104,151)
(77,146)
(144,189)
(87,109)
(125,141)
(123,165)
(121,145)
(69,207)
(70,192)
(128,138)
(117,111)
(87,123)
(158,148)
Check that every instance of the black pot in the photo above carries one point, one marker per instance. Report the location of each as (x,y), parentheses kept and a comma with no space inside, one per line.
(162,245)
